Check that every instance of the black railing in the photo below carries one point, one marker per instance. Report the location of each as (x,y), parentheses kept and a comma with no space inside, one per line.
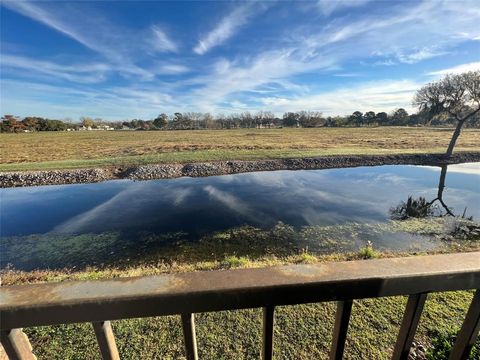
(184,294)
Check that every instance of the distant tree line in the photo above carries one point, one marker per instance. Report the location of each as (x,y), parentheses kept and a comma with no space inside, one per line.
(248,120)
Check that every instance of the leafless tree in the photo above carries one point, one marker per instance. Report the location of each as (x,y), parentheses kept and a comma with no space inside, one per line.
(457,96)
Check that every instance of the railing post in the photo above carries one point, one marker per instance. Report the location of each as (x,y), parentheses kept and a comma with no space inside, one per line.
(342,318)
(267,345)
(188,325)
(468,334)
(410,321)
(16,345)
(106,340)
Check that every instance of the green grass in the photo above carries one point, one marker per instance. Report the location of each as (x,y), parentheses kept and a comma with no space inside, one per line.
(70,150)
(203,156)
(443,343)
(236,262)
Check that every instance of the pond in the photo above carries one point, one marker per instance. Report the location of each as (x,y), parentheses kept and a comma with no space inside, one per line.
(324,210)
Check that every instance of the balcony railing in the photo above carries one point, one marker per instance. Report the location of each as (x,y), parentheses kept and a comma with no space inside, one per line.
(185,294)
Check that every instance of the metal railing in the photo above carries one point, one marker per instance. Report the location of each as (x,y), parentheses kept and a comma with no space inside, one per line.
(184,294)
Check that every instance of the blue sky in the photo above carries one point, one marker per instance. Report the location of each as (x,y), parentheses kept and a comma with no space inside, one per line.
(124,60)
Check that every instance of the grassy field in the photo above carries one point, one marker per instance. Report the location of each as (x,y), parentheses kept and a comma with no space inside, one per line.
(67,150)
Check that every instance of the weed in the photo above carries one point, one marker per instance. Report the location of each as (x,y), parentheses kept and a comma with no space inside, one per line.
(368,252)
(235,262)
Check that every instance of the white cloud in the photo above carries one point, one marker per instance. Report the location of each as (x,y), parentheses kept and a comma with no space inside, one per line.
(348,75)
(434,26)
(407,56)
(473,66)
(90,31)
(173,69)
(419,55)
(81,73)
(327,7)
(227,27)
(375,96)
(74,20)
(468,35)
(37,13)
(114,103)
(267,75)
(267,69)
(161,41)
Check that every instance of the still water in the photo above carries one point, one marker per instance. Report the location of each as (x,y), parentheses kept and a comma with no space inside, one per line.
(35,216)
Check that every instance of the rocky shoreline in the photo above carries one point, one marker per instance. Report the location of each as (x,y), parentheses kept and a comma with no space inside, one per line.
(201,169)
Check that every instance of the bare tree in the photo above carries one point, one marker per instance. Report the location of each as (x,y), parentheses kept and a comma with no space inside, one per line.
(457,96)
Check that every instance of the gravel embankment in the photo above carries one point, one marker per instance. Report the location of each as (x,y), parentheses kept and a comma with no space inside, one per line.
(51,177)
(168,171)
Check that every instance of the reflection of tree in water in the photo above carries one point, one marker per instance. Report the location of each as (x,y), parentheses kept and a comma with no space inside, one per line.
(421,207)
(441,187)
(460,227)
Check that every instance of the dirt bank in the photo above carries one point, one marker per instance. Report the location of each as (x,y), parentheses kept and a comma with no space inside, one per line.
(167,171)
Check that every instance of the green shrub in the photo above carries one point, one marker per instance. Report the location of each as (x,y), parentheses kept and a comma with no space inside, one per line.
(234,261)
(305,258)
(367,252)
(442,344)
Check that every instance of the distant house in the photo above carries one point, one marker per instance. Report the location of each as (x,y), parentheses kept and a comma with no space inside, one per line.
(104,127)
(98,128)
(269,125)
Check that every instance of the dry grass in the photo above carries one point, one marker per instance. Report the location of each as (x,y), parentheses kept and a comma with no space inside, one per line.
(48,150)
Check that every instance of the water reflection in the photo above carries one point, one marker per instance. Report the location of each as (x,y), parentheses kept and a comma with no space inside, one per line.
(87,223)
(420,207)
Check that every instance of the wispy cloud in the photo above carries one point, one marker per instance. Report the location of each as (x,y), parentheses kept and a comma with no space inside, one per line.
(82,73)
(434,26)
(111,103)
(376,96)
(93,31)
(66,21)
(419,55)
(268,69)
(315,52)
(469,35)
(407,56)
(288,70)
(227,27)
(161,42)
(327,7)
(473,66)
(171,69)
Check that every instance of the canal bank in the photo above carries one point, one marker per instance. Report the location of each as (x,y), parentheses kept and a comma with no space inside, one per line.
(202,169)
